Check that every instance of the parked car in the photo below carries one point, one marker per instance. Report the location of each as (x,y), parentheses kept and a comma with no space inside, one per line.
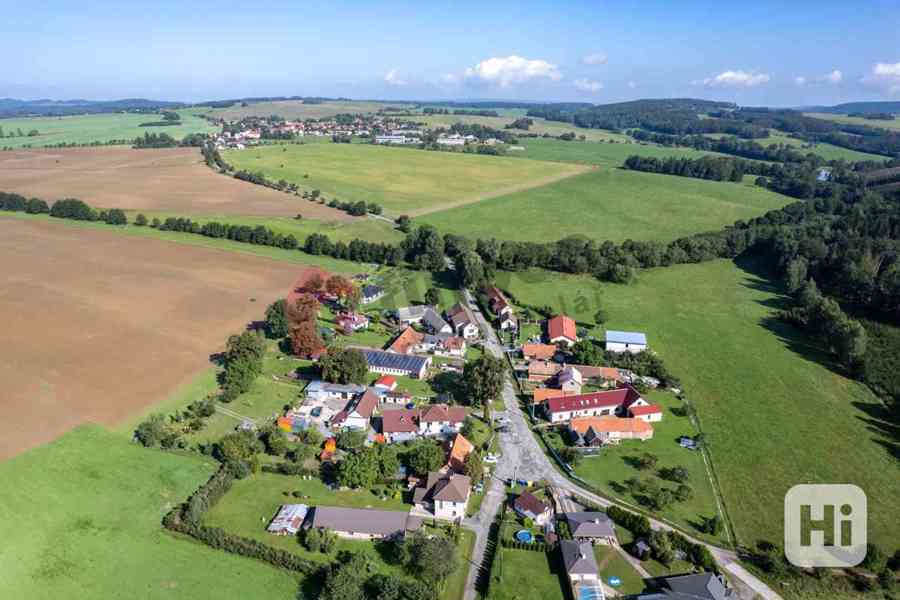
(490,459)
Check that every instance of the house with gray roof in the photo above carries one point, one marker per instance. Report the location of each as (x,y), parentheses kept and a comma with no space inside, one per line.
(696,586)
(444,495)
(363,523)
(434,323)
(594,527)
(392,363)
(411,315)
(322,390)
(581,569)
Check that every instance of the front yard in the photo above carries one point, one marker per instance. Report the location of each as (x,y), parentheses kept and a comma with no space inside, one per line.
(614,465)
(527,575)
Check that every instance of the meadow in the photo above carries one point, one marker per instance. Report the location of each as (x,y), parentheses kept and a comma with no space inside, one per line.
(773,411)
(605,154)
(87,129)
(893,124)
(540,126)
(81,519)
(610,204)
(401,180)
(826,151)
(295,109)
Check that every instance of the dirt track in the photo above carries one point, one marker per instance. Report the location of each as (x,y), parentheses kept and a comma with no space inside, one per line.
(98,326)
(164,180)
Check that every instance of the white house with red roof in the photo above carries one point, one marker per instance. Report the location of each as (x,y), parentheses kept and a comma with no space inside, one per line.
(649,413)
(399,425)
(561,329)
(386,382)
(441,419)
(561,409)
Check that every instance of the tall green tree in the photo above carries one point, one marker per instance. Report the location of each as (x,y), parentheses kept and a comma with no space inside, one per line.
(484,379)
(344,365)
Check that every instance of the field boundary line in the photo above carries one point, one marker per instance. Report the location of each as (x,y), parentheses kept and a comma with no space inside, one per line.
(512,189)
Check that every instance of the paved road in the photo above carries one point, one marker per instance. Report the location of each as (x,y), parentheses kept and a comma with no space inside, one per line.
(525,459)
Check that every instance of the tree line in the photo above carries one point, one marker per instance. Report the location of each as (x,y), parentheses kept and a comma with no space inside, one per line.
(164,140)
(781,153)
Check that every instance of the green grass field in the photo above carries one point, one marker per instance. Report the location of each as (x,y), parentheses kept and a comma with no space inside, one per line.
(372,230)
(293,256)
(527,575)
(251,503)
(296,109)
(613,564)
(539,127)
(773,414)
(402,180)
(612,466)
(893,124)
(85,129)
(609,204)
(81,519)
(826,151)
(605,154)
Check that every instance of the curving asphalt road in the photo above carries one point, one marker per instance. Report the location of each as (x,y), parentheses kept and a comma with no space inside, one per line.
(523,458)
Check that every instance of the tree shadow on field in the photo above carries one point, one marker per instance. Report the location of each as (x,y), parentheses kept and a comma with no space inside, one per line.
(311,585)
(879,421)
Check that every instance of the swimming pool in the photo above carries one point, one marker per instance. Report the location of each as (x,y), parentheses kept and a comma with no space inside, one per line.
(523,535)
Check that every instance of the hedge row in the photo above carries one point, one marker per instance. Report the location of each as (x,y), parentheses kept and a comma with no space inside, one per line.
(535,546)
(186,518)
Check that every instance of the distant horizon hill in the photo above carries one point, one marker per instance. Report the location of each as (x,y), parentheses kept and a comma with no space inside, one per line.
(46,107)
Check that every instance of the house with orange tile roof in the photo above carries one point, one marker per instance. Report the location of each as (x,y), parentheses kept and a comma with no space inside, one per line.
(599,431)
(538,395)
(561,329)
(460,449)
(538,351)
(406,342)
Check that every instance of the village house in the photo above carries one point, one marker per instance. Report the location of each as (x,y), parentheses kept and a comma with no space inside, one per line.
(460,449)
(463,321)
(370,294)
(320,391)
(593,432)
(358,413)
(363,523)
(528,506)
(399,425)
(562,409)
(539,351)
(508,322)
(444,495)
(561,329)
(405,343)
(626,341)
(594,527)
(426,315)
(541,371)
(289,519)
(391,363)
(350,322)
(386,382)
(497,302)
(581,569)
(569,380)
(439,419)
(696,586)
(650,413)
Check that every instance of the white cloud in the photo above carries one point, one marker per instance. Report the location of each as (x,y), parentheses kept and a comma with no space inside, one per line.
(834,77)
(800,81)
(393,79)
(885,76)
(631,85)
(586,85)
(594,59)
(736,79)
(509,70)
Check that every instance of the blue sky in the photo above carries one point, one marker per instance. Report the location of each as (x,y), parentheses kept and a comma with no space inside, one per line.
(773,53)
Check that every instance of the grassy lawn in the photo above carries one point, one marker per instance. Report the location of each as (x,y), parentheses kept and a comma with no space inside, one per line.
(528,575)
(402,180)
(609,204)
(81,517)
(655,568)
(293,256)
(613,564)
(613,465)
(406,287)
(371,230)
(85,129)
(774,415)
(251,503)
(604,154)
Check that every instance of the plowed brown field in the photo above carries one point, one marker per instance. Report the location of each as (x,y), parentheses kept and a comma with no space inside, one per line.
(164,180)
(98,326)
